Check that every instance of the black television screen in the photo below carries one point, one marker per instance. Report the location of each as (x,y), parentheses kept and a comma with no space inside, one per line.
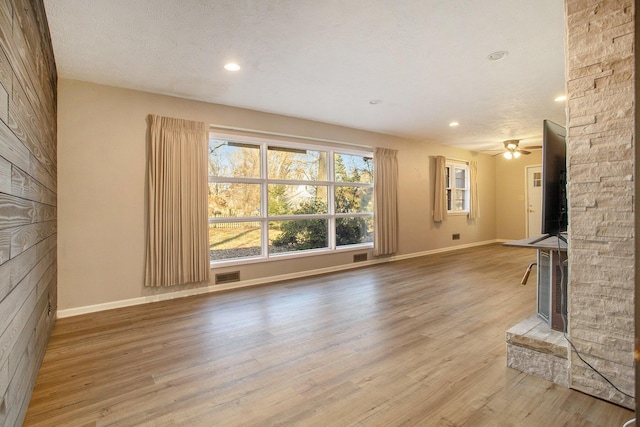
(554,179)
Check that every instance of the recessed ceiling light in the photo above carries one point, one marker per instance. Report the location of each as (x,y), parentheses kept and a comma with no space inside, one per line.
(375,101)
(454,124)
(231,66)
(561,98)
(497,56)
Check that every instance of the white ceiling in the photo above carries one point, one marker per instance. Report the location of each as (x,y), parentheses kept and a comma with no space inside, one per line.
(325,60)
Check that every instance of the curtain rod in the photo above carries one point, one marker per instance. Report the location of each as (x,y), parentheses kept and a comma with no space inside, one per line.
(286,135)
(457,160)
(454,159)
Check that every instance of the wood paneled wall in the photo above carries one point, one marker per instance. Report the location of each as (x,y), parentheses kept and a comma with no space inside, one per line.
(28,291)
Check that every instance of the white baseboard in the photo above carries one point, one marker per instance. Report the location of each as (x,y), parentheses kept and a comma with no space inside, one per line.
(208,289)
(447,249)
(254,282)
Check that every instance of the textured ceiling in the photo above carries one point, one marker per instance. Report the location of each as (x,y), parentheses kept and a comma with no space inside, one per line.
(324,60)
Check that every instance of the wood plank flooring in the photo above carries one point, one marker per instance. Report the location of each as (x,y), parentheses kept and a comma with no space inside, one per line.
(414,342)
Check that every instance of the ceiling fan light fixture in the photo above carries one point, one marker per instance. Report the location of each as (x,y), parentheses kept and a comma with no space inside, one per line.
(511,144)
(512,149)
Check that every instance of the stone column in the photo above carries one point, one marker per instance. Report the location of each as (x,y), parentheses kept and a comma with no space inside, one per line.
(601,167)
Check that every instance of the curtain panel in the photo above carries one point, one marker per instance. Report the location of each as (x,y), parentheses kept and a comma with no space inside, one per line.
(177,249)
(385,201)
(440,198)
(474,206)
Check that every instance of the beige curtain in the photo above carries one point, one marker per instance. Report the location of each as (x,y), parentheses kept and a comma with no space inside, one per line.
(177,226)
(474,210)
(386,201)
(440,199)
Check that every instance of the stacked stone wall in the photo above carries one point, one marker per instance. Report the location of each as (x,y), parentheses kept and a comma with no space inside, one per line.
(600,157)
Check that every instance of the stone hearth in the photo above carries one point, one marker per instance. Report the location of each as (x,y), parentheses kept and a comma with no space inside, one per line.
(536,349)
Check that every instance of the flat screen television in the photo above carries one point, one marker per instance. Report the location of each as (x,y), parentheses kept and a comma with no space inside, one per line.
(554,179)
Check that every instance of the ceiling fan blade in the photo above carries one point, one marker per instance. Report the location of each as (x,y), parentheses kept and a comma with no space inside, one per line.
(524,152)
(533,147)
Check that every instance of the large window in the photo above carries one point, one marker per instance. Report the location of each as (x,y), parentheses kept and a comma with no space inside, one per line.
(269,199)
(457,187)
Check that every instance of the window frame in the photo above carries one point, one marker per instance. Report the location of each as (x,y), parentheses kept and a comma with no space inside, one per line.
(451,186)
(264,218)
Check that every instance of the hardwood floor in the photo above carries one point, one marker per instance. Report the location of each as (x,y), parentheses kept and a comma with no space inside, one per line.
(414,342)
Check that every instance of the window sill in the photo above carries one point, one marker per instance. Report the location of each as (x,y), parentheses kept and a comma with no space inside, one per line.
(457,213)
(289,255)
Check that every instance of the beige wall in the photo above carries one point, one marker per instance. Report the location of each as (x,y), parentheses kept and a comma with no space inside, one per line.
(511,220)
(101,181)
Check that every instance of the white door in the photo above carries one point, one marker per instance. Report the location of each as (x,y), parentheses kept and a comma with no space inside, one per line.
(534,201)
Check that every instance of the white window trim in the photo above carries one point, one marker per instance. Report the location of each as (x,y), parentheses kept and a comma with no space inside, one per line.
(264,218)
(452,164)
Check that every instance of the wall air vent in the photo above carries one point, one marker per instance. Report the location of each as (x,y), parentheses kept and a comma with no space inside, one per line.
(359,257)
(231,276)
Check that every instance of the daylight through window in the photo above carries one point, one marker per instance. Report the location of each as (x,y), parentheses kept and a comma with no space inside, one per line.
(457,187)
(269,199)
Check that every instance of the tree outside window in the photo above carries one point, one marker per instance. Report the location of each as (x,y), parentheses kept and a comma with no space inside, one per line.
(268,199)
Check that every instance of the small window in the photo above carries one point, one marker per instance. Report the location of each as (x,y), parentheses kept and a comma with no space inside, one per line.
(457,187)
(537,179)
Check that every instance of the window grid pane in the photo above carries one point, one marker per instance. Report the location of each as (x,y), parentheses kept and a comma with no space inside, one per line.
(233,159)
(297,199)
(354,230)
(298,235)
(296,164)
(459,204)
(230,240)
(461,181)
(233,200)
(350,199)
(353,168)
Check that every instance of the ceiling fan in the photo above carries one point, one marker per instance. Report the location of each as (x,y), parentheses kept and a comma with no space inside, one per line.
(512,149)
